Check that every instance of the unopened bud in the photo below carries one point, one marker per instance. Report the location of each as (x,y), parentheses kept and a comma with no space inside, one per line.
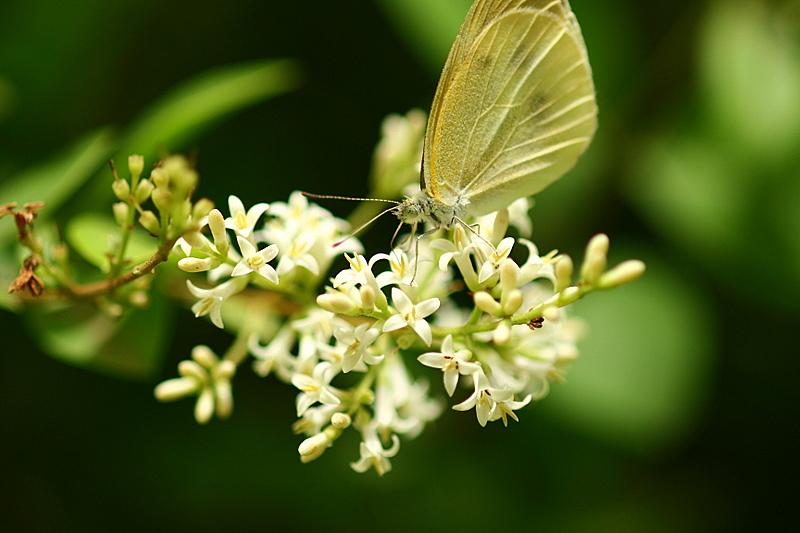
(190,369)
(122,189)
(569,295)
(509,275)
(502,333)
(564,270)
(313,447)
(340,421)
(149,221)
(367,297)
(195,264)
(139,299)
(216,222)
(203,355)
(223,395)
(196,240)
(551,314)
(184,181)
(121,211)
(226,369)
(159,177)
(622,274)
(204,407)
(175,389)
(336,302)
(143,191)
(594,264)
(513,302)
(162,199)
(201,208)
(135,166)
(487,304)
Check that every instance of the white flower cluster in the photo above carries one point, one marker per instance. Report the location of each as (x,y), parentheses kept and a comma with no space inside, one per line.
(379,314)
(348,350)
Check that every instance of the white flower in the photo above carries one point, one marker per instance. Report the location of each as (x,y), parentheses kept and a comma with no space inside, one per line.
(495,257)
(359,273)
(451,363)
(208,378)
(491,403)
(536,267)
(402,405)
(314,419)
(316,388)
(401,268)
(241,221)
(519,218)
(255,260)
(210,300)
(457,248)
(412,315)
(297,252)
(275,356)
(356,342)
(373,454)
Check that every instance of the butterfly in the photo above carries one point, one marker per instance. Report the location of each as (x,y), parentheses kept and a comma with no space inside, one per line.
(514,110)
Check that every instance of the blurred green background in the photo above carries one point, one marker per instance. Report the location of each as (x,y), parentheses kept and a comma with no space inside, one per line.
(680,413)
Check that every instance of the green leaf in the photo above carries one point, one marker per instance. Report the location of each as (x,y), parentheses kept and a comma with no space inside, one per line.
(81,335)
(750,67)
(92,235)
(643,368)
(194,106)
(58,179)
(429,27)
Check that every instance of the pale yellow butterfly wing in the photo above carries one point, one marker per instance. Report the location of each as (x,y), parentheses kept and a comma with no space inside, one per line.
(515,106)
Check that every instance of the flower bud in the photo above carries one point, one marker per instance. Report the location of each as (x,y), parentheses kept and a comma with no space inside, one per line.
(563,270)
(195,264)
(336,302)
(551,314)
(502,333)
(190,369)
(175,389)
(216,222)
(143,191)
(135,166)
(367,297)
(340,421)
(149,221)
(201,208)
(204,407)
(184,181)
(594,264)
(122,190)
(203,355)
(622,274)
(569,295)
(159,177)
(225,370)
(162,199)
(487,304)
(196,240)
(509,275)
(313,447)
(513,301)
(121,211)
(224,398)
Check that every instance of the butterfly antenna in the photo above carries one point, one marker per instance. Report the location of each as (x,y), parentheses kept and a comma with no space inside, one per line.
(347,198)
(364,225)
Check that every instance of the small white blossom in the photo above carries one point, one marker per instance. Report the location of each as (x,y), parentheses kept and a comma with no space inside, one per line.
(255,260)
(401,268)
(518,216)
(359,273)
(315,388)
(210,300)
(355,343)
(297,253)
(494,259)
(241,221)
(412,315)
(451,362)
(491,403)
(373,454)
(275,356)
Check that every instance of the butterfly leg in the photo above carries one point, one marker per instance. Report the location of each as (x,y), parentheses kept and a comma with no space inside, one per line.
(471,229)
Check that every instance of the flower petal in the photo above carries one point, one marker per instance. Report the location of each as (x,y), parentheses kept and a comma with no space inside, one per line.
(394,323)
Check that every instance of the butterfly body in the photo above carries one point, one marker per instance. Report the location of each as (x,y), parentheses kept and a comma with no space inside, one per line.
(423,208)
